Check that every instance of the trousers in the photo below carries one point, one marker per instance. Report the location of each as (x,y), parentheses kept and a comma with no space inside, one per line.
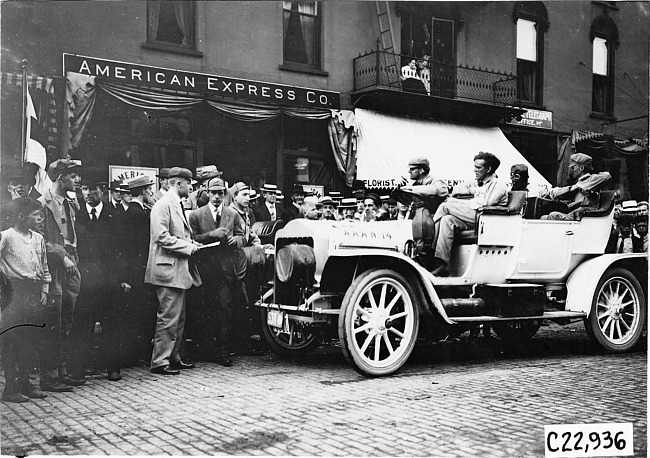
(452,215)
(170,324)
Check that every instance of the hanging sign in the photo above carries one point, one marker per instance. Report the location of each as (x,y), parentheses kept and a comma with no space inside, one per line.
(126,172)
(535,118)
(222,86)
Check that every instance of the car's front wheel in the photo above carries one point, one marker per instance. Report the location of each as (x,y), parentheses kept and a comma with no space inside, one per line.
(618,311)
(287,338)
(378,323)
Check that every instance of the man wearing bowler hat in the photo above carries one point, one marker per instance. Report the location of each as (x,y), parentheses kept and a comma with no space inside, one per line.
(292,210)
(583,189)
(269,210)
(170,270)
(163,184)
(100,295)
(216,305)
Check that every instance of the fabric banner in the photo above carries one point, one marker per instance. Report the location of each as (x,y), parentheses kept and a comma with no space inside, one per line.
(48,122)
(387,143)
(343,140)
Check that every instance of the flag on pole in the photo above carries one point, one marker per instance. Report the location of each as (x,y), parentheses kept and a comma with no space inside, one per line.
(35,140)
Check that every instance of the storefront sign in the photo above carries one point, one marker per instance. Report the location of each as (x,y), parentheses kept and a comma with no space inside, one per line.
(535,118)
(125,173)
(222,86)
(314,190)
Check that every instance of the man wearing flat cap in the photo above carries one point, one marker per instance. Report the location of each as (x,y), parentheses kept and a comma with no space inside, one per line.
(141,300)
(170,270)
(328,208)
(583,189)
(163,184)
(293,209)
(199,197)
(62,258)
(215,330)
(100,295)
(428,192)
(240,240)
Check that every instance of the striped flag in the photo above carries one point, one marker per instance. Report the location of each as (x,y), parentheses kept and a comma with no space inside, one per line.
(35,142)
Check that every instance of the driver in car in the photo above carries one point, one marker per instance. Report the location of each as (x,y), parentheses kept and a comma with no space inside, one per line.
(460,214)
(583,190)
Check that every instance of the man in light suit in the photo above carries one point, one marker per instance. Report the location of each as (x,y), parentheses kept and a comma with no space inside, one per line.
(170,270)
(269,210)
(215,303)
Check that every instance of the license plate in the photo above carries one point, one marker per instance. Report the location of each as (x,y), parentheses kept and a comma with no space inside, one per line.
(275,318)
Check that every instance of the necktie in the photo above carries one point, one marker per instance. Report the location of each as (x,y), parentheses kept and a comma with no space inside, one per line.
(272,211)
(68,221)
(93,215)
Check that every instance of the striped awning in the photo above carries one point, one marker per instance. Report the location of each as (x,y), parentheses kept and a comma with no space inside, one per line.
(47,122)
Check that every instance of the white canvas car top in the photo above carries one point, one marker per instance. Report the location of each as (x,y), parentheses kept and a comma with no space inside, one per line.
(387,143)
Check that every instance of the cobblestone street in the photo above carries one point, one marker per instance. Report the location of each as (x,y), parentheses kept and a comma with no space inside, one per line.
(462,398)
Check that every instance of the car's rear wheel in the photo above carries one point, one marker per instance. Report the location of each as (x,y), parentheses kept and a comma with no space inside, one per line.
(378,323)
(618,311)
(516,331)
(292,340)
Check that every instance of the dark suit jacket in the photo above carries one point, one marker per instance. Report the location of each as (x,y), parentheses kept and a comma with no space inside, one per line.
(612,243)
(291,212)
(204,230)
(135,244)
(262,212)
(97,245)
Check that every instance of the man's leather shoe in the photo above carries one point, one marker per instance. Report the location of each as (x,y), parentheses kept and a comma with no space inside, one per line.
(33,393)
(224,361)
(14,397)
(181,365)
(72,381)
(165,370)
(55,387)
(114,376)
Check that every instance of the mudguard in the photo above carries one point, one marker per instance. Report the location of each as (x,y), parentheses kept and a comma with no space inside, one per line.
(584,279)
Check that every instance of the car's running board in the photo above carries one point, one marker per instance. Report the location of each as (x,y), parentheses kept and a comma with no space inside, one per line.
(546,316)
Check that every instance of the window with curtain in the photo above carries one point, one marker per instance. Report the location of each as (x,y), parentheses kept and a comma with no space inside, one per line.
(531,21)
(172,23)
(302,32)
(604,39)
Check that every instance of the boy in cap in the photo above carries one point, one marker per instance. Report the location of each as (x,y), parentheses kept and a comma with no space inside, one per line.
(583,189)
(62,257)
(23,263)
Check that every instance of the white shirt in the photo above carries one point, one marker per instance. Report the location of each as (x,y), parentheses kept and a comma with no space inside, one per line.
(216,211)
(98,210)
(271,208)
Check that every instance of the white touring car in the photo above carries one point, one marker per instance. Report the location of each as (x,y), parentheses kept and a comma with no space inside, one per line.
(361,281)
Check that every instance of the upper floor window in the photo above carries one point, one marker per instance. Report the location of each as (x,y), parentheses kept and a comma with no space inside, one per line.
(172,23)
(531,20)
(604,38)
(302,33)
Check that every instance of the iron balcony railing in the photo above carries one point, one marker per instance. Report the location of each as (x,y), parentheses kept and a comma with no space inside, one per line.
(379,69)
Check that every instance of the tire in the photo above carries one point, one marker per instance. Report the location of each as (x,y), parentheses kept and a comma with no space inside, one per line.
(618,311)
(378,323)
(295,344)
(516,331)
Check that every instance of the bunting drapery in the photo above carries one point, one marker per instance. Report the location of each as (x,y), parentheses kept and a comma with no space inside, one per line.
(81,95)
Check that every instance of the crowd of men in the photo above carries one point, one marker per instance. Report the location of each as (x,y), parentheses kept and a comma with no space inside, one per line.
(139,263)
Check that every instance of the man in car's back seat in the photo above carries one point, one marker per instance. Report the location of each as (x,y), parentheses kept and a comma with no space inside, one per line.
(460,214)
(582,191)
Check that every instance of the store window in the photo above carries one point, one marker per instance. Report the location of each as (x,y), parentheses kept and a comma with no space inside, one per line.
(119,134)
(604,38)
(531,22)
(172,23)
(302,34)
